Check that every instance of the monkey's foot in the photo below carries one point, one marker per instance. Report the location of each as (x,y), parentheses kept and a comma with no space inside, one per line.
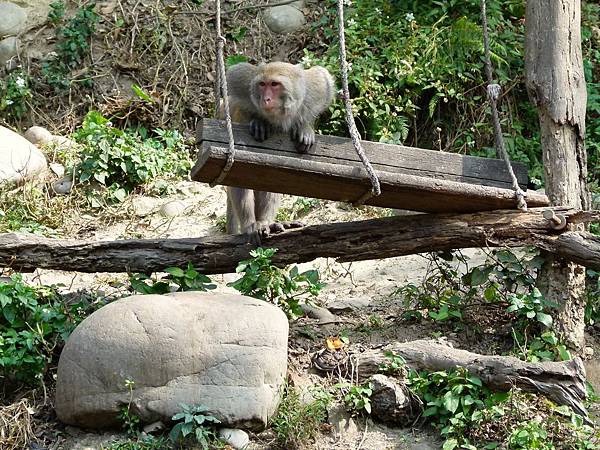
(259,129)
(304,138)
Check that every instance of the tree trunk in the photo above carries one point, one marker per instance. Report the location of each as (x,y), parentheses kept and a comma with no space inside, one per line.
(556,85)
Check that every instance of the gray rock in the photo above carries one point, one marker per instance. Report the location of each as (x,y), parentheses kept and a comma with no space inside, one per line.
(12,19)
(316,312)
(8,49)
(343,424)
(62,186)
(143,206)
(19,159)
(389,403)
(173,208)
(57,169)
(62,143)
(348,304)
(224,351)
(238,439)
(38,135)
(592,370)
(285,18)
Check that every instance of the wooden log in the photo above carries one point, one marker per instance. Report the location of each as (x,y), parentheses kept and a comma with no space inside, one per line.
(414,179)
(349,241)
(562,382)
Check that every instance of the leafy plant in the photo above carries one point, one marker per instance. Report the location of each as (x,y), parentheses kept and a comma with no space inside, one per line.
(396,364)
(130,421)
(123,160)
(357,397)
(73,45)
(453,402)
(592,306)
(280,286)
(15,92)
(57,12)
(145,442)
(178,280)
(192,421)
(297,421)
(34,322)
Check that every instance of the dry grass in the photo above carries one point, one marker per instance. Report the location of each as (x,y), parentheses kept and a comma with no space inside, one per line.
(16,430)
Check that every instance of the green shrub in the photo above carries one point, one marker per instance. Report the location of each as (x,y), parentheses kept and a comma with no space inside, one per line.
(282,287)
(73,44)
(15,92)
(123,160)
(193,421)
(33,325)
(177,280)
(297,421)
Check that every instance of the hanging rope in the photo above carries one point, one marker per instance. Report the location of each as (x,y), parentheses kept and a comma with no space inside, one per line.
(354,134)
(493,93)
(221,93)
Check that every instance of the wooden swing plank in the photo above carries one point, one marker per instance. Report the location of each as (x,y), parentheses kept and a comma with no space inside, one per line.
(415,179)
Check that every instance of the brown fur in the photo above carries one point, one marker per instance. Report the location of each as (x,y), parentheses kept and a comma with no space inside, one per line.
(306,94)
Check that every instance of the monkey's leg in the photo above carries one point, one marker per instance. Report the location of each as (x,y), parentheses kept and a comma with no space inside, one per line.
(260,129)
(304,136)
(267,204)
(240,210)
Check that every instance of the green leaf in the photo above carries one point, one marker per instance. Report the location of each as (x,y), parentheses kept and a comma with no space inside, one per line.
(175,271)
(544,318)
(140,93)
(563,353)
(450,444)
(451,402)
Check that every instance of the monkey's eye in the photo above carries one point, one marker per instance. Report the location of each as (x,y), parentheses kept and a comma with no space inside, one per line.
(262,84)
(274,83)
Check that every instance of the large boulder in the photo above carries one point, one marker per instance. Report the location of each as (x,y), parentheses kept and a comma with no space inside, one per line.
(224,351)
(19,158)
(285,19)
(12,19)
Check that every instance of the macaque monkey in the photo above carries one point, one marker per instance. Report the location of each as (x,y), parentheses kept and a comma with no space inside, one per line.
(271,97)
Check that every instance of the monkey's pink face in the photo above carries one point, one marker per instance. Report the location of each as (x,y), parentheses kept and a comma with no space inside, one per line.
(270,95)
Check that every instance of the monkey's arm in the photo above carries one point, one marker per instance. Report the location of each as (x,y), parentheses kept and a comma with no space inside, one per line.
(320,89)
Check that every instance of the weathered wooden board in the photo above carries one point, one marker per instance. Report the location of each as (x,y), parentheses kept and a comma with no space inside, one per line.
(420,180)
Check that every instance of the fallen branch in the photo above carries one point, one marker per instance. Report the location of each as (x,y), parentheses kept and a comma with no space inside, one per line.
(349,241)
(562,382)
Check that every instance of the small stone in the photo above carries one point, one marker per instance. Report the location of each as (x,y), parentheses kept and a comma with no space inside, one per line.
(285,18)
(62,143)
(12,19)
(588,352)
(173,208)
(62,186)
(348,304)
(316,312)
(143,206)
(57,169)
(237,438)
(38,135)
(340,419)
(154,427)
(8,49)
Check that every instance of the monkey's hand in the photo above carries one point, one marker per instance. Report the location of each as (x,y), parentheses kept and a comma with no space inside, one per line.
(304,136)
(260,129)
